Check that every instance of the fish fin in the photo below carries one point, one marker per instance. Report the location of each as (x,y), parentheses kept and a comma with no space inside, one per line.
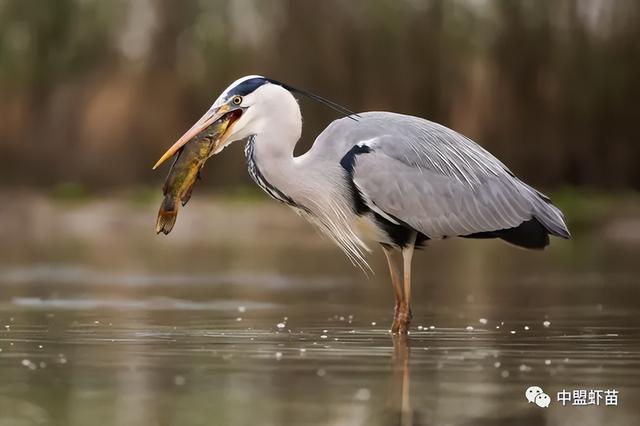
(187,195)
(167,215)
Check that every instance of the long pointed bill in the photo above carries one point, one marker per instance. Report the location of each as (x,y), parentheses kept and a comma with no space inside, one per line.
(205,121)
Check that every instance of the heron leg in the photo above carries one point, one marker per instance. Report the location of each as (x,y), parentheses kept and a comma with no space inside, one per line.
(396,281)
(405,308)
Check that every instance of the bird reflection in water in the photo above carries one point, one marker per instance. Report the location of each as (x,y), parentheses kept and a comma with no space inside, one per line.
(401,412)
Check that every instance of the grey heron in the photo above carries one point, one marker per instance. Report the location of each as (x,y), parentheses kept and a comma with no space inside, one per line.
(382,177)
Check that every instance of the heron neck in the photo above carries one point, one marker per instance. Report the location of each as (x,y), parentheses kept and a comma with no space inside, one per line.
(277,145)
(272,165)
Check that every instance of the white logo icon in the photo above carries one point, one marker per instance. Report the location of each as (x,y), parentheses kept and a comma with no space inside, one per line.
(532,392)
(536,395)
(543,400)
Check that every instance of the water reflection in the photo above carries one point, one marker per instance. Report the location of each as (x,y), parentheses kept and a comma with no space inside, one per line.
(237,331)
(400,393)
(143,366)
(401,412)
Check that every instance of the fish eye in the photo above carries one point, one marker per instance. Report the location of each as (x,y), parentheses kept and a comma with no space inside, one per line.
(237,100)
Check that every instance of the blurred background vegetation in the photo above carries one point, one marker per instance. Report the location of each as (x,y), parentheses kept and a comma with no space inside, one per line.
(93,91)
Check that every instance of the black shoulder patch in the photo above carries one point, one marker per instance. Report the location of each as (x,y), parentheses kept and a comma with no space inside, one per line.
(348,162)
(349,159)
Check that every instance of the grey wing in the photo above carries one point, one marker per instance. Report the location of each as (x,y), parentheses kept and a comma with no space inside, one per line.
(442,183)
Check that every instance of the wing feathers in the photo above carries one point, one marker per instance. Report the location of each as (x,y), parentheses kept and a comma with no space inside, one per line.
(443,184)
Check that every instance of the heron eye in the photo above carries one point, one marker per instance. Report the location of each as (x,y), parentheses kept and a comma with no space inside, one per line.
(237,100)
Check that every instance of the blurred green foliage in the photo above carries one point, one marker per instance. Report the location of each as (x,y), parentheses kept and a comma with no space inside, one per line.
(69,192)
(94,91)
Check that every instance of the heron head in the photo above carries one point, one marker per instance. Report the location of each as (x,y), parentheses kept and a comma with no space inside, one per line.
(253,102)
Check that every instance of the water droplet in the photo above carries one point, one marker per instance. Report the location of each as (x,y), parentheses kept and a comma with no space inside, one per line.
(469,328)
(27,363)
(239,319)
(373,323)
(512,332)
(323,336)
(547,362)
(179,380)
(497,364)
(526,327)
(278,356)
(483,321)
(419,327)
(363,394)
(242,309)
(281,325)
(432,327)
(546,324)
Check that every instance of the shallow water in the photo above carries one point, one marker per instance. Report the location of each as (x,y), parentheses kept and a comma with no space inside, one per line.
(132,329)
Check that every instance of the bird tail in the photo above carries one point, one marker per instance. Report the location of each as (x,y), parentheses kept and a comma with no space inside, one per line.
(167,214)
(550,216)
(533,233)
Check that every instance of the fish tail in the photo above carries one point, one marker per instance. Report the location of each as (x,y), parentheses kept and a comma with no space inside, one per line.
(167,214)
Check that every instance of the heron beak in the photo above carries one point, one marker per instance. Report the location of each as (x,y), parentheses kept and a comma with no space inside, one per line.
(205,121)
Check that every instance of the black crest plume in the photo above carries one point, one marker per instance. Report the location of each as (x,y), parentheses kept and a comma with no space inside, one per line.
(334,106)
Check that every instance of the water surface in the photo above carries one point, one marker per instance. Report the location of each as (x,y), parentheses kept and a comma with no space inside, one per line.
(270,325)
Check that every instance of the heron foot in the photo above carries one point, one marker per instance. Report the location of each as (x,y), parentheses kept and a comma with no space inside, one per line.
(401,321)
